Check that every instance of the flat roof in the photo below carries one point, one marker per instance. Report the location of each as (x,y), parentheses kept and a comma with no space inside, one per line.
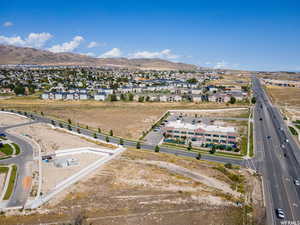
(178,124)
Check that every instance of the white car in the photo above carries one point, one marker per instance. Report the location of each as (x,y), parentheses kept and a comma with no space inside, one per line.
(280,214)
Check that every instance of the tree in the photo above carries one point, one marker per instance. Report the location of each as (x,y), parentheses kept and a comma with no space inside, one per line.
(52,122)
(130,97)
(61,125)
(95,135)
(111,133)
(147,99)
(69,121)
(189,148)
(138,145)
(228,165)
(113,98)
(232,100)
(156,148)
(212,150)
(78,130)
(69,127)
(87,127)
(199,156)
(42,113)
(122,97)
(99,130)
(19,90)
(107,139)
(121,142)
(253,100)
(192,81)
(141,98)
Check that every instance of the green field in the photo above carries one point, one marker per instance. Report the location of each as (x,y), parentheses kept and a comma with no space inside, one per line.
(17,148)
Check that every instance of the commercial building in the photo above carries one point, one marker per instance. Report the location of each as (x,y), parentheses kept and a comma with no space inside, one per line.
(201,133)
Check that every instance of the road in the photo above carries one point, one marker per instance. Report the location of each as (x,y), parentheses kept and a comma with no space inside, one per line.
(276,159)
(19,195)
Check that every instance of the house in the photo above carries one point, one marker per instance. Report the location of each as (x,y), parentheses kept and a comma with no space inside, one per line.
(58,95)
(100,96)
(196,91)
(45,96)
(219,97)
(197,98)
(70,96)
(83,96)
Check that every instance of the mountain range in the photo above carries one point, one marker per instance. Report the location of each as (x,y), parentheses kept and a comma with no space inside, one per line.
(24,55)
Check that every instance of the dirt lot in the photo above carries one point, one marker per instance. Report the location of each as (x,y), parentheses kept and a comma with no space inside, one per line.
(53,175)
(50,139)
(148,188)
(126,119)
(7,119)
(283,96)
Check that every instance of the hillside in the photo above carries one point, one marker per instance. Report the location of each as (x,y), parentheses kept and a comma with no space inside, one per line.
(20,55)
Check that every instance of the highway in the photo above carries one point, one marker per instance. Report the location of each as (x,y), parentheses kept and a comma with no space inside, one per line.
(276,159)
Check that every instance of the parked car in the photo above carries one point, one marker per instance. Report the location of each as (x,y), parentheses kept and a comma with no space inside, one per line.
(2,135)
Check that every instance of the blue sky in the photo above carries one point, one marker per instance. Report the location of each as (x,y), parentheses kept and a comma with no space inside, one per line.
(257,35)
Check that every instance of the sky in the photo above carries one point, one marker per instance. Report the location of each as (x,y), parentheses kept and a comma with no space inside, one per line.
(244,34)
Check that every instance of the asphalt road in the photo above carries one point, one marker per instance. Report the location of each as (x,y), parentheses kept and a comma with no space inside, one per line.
(19,195)
(276,159)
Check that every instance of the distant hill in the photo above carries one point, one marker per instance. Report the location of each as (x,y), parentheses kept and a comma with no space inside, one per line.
(20,55)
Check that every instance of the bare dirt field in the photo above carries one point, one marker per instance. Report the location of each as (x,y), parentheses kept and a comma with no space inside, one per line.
(126,119)
(284,95)
(7,119)
(50,139)
(232,80)
(142,187)
(53,175)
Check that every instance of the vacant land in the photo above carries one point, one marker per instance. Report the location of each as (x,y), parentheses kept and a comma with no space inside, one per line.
(53,175)
(284,96)
(51,139)
(7,119)
(126,119)
(142,187)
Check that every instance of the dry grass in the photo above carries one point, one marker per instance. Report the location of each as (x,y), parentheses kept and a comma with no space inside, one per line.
(126,119)
(283,95)
(128,191)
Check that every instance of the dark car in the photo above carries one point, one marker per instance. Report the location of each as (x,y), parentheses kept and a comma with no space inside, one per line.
(260,119)
(280,214)
(269,137)
(2,135)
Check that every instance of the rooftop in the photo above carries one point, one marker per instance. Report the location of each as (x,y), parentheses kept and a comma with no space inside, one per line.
(210,128)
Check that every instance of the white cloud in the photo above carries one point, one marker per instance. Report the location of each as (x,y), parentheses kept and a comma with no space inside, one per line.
(166,53)
(35,40)
(115,52)
(91,54)
(94,44)
(221,65)
(67,46)
(8,24)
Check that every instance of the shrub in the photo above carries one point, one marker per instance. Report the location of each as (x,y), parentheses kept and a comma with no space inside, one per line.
(138,145)
(156,148)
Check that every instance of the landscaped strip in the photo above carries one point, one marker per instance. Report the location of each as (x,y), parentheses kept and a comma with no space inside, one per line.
(11,183)
(251,141)
(17,148)
(293,131)
(7,149)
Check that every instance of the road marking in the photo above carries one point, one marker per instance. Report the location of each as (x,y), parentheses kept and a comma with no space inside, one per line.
(27,183)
